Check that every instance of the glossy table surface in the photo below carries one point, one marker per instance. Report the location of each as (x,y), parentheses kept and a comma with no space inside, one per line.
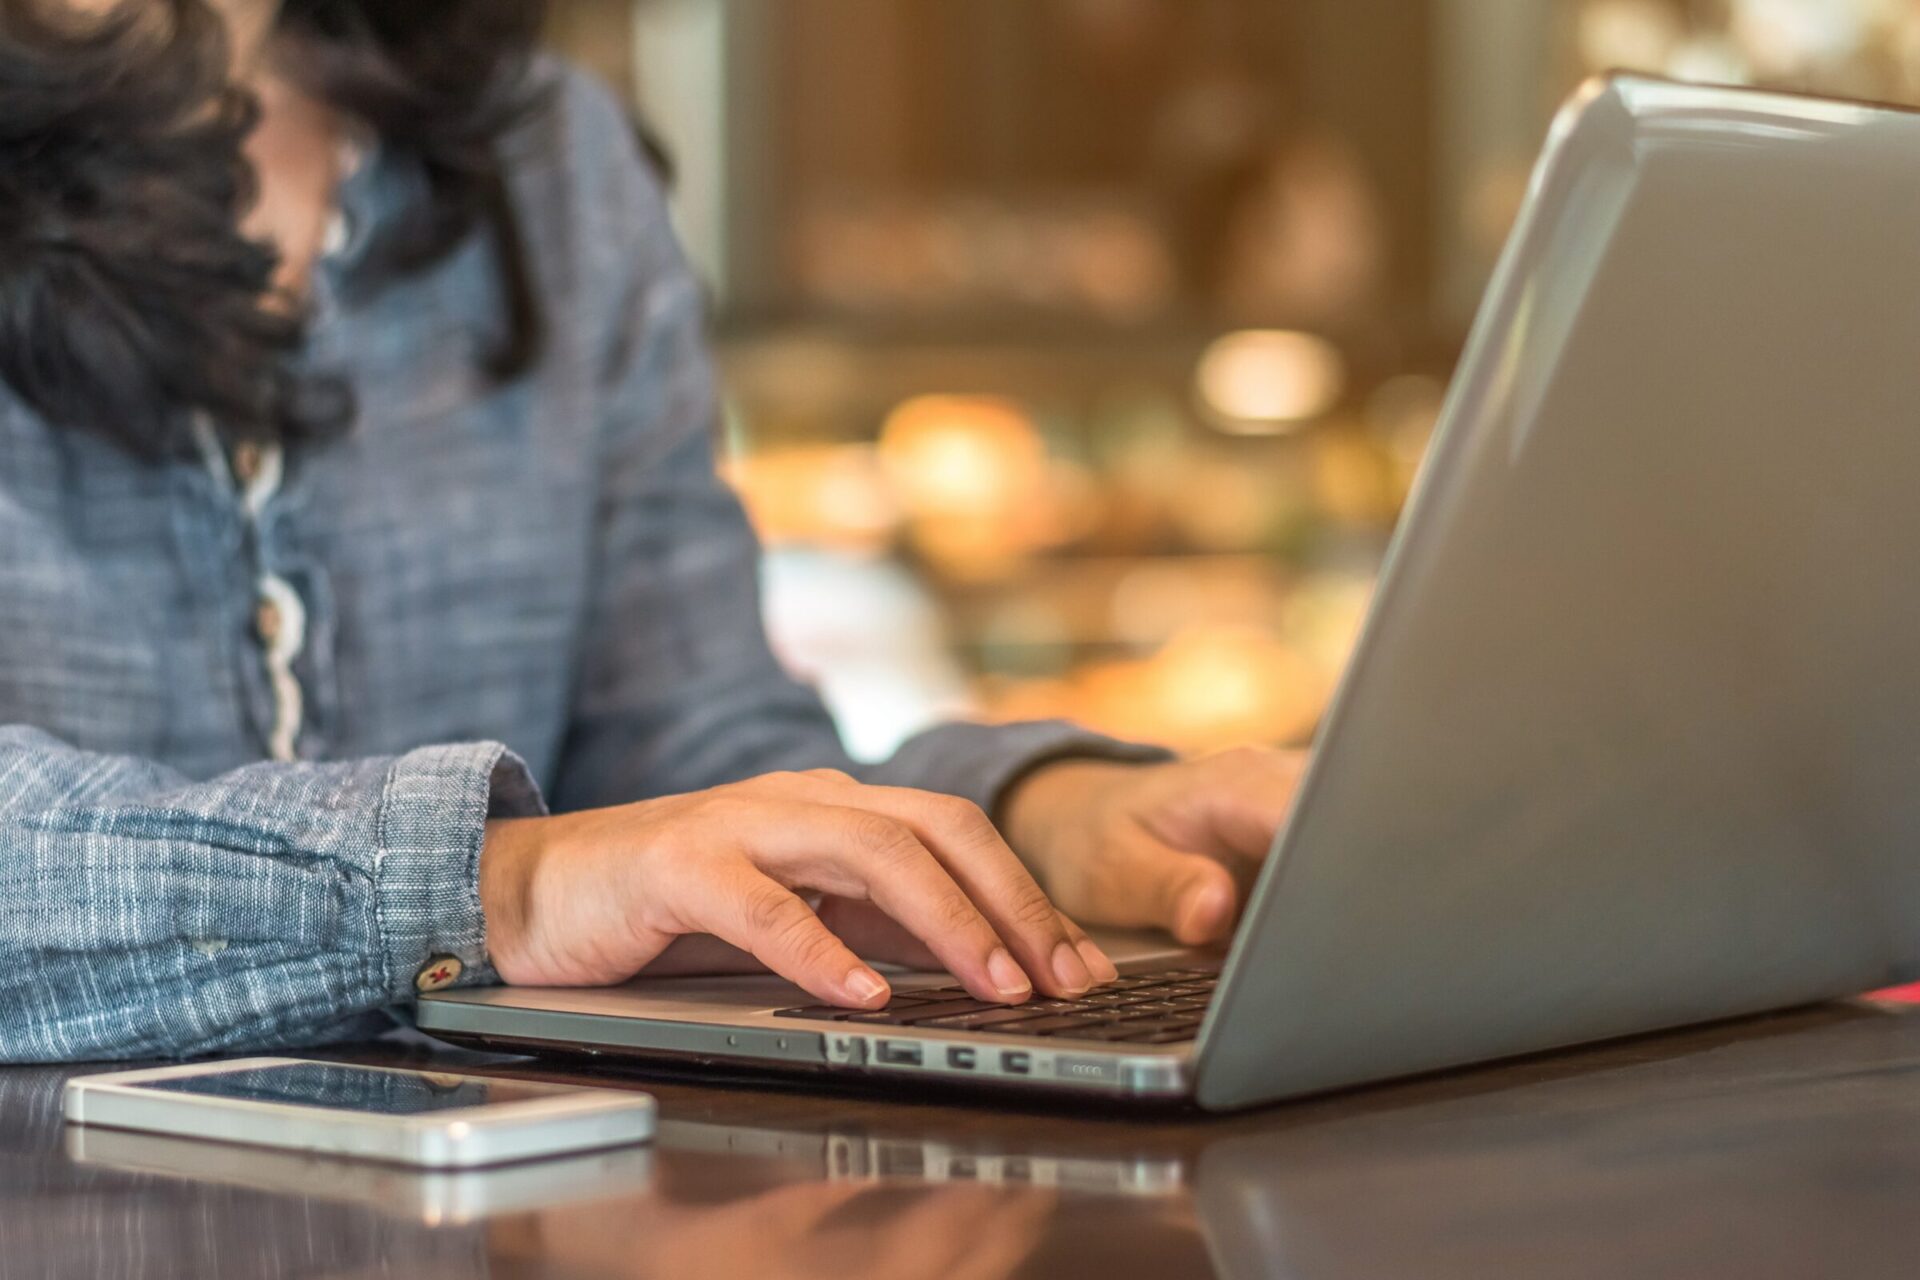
(1784,1146)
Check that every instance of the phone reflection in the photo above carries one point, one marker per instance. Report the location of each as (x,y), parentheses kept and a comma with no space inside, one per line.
(433,1198)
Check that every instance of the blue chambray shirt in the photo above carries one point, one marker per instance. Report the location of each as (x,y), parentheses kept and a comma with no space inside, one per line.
(506,597)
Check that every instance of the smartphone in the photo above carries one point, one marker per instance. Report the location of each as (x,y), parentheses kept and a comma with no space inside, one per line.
(420,1118)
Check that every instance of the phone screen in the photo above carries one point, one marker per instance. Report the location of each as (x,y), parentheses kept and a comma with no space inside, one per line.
(338,1088)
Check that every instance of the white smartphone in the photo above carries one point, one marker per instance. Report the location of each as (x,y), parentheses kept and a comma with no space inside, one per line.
(426,1119)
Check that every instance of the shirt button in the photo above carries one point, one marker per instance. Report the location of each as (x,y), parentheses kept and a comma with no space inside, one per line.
(338,234)
(267,622)
(246,463)
(441,971)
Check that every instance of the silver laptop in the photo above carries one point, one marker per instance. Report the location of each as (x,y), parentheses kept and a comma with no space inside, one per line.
(1632,736)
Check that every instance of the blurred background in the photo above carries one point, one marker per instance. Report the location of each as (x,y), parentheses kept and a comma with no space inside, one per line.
(1078,354)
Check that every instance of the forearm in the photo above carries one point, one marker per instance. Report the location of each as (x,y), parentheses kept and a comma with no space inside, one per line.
(143,914)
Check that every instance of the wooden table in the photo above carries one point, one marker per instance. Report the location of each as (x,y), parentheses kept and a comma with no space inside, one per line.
(1782,1147)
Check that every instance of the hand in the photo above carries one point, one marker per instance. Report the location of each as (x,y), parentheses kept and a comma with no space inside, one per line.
(1168,845)
(589,899)
(796,1231)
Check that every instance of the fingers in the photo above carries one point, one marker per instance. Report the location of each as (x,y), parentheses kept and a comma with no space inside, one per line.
(992,875)
(1196,898)
(744,907)
(970,849)
(1097,961)
(904,879)
(1242,797)
(858,853)
(1146,882)
(867,930)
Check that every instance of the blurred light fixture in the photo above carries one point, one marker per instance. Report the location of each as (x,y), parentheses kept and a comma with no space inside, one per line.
(1269,381)
(1211,687)
(961,455)
(973,474)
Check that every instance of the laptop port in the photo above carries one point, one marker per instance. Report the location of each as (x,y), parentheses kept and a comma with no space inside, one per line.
(1016,1063)
(894,1053)
(960,1059)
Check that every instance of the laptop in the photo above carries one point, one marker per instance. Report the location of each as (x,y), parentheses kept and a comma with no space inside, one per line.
(1631,738)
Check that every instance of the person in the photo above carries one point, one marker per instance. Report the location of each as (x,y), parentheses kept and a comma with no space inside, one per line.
(372,619)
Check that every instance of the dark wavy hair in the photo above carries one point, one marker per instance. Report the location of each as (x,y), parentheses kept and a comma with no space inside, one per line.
(129,299)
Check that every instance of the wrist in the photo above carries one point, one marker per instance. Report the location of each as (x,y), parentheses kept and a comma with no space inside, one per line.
(507,856)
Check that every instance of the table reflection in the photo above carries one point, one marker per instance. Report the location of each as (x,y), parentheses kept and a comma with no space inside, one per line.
(711,1197)
(1766,1147)
(824,1230)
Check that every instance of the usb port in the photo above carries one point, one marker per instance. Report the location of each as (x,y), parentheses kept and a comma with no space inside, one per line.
(960,1059)
(895,1054)
(1016,1063)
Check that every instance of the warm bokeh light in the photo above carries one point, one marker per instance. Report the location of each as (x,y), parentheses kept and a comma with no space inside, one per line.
(961,455)
(1098,395)
(1262,381)
(820,495)
(973,475)
(1207,689)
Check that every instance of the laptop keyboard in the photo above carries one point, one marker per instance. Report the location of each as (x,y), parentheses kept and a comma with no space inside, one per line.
(1151,1008)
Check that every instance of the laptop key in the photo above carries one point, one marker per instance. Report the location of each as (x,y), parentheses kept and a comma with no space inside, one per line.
(990,1018)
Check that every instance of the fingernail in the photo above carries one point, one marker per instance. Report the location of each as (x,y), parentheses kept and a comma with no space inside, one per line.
(1097,962)
(1204,914)
(1008,978)
(1069,970)
(866,986)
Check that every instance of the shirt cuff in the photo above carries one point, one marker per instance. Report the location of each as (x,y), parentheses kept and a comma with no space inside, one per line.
(434,808)
(980,762)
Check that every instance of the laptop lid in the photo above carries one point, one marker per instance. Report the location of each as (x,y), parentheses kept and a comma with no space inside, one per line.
(1632,736)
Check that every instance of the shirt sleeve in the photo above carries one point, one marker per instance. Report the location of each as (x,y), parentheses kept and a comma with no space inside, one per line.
(143,914)
(678,689)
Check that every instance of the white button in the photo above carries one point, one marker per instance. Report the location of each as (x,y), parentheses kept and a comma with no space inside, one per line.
(246,463)
(441,971)
(337,234)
